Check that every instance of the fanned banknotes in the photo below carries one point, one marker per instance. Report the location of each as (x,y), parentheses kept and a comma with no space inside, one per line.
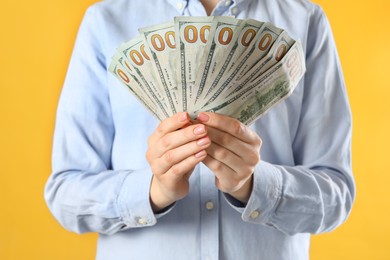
(239,68)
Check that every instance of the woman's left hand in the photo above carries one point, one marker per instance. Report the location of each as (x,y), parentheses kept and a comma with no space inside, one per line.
(232,155)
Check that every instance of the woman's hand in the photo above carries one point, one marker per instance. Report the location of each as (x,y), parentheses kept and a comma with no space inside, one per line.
(174,149)
(233,154)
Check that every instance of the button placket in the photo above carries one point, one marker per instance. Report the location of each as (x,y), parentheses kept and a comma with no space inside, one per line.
(209,214)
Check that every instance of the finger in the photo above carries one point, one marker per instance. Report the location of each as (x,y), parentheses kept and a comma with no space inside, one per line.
(225,178)
(179,154)
(246,152)
(229,161)
(177,138)
(183,168)
(229,125)
(168,125)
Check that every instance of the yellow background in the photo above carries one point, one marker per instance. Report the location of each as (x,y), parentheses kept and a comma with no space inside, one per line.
(36,42)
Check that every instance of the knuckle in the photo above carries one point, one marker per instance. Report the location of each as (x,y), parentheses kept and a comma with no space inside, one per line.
(258,142)
(238,128)
(165,142)
(169,157)
(253,158)
(223,139)
(218,166)
(174,170)
(160,129)
(148,156)
(222,154)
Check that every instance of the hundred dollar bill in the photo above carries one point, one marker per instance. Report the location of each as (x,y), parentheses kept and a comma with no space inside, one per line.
(161,42)
(260,67)
(258,48)
(192,34)
(224,32)
(246,33)
(272,87)
(275,54)
(134,85)
(248,36)
(138,58)
(123,63)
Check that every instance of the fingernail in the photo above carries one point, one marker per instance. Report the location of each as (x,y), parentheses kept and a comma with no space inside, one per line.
(203,141)
(199,130)
(183,117)
(200,154)
(203,117)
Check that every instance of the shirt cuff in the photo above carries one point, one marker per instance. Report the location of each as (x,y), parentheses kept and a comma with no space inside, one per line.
(134,200)
(234,203)
(265,196)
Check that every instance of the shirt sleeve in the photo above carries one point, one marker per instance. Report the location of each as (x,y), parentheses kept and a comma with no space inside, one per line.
(317,194)
(83,193)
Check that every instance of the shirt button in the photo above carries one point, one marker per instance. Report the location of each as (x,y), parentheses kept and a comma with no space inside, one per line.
(180,5)
(228,2)
(234,10)
(142,221)
(255,214)
(209,205)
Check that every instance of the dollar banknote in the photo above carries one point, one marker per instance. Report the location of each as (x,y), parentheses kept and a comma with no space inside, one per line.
(134,85)
(161,41)
(259,48)
(270,88)
(246,33)
(239,68)
(275,54)
(139,60)
(262,45)
(224,32)
(192,34)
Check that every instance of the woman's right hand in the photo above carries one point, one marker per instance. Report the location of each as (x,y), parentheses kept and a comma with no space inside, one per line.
(174,149)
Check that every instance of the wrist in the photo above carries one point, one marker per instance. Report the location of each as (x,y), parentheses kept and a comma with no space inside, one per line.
(243,193)
(158,200)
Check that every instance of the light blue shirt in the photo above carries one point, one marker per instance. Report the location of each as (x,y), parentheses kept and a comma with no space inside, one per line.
(101,179)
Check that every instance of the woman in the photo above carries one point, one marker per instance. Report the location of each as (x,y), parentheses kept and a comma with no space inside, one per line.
(139,182)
